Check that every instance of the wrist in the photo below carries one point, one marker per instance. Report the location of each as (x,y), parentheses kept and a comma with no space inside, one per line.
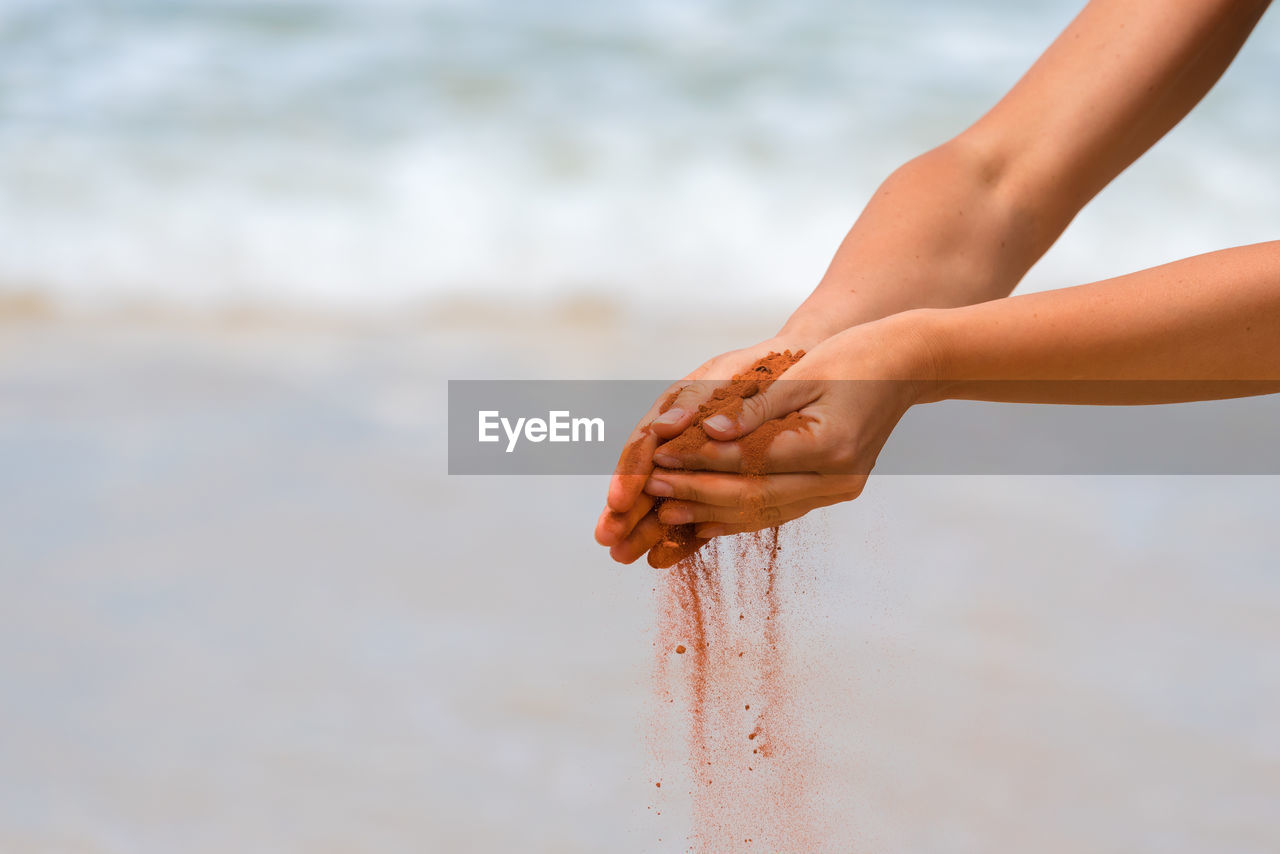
(818,318)
(805,331)
(915,352)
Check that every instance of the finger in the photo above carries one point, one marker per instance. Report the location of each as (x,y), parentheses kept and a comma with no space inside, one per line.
(673,416)
(778,516)
(684,513)
(788,394)
(734,490)
(646,534)
(791,450)
(636,460)
(753,511)
(662,422)
(633,470)
(679,410)
(613,526)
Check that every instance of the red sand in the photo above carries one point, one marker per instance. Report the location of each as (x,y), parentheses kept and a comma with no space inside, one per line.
(748,769)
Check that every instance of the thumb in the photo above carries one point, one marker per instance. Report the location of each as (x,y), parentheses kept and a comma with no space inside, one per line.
(780,398)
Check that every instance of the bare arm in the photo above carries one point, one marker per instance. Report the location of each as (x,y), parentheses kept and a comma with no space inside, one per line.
(1203,327)
(964,222)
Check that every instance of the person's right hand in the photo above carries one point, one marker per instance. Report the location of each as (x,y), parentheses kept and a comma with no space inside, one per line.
(627,526)
(850,392)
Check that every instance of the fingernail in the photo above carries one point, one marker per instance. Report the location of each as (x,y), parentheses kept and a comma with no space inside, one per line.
(671,416)
(665,461)
(675,515)
(660,488)
(719,423)
(709,531)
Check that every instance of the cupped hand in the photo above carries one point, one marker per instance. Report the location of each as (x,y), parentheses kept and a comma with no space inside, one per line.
(850,392)
(627,525)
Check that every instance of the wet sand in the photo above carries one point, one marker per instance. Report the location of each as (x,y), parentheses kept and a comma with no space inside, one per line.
(245,609)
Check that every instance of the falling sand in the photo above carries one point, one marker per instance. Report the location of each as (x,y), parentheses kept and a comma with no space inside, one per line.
(721,662)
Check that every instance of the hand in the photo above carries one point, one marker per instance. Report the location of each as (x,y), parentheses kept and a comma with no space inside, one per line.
(627,525)
(853,388)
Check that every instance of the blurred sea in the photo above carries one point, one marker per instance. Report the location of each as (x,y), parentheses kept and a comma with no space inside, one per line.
(242,606)
(372,154)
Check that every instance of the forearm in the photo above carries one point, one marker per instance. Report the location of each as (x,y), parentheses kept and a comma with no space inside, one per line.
(964,222)
(938,233)
(1203,327)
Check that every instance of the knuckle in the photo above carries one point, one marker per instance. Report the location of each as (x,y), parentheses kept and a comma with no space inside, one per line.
(692,463)
(755,409)
(850,486)
(660,402)
(763,494)
(686,395)
(701,389)
(711,513)
(842,456)
(670,397)
(711,457)
(770,514)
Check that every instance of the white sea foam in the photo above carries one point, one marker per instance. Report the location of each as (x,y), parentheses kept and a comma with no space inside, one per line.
(357,154)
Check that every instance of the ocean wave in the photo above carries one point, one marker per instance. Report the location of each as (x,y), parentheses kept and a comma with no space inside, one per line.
(370,155)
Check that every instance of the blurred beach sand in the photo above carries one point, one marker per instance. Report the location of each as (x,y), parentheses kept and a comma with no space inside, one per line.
(246,609)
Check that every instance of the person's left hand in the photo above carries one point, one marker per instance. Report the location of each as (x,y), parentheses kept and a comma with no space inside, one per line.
(854,388)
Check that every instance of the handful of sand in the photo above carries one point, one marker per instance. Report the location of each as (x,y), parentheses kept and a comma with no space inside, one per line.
(680,540)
